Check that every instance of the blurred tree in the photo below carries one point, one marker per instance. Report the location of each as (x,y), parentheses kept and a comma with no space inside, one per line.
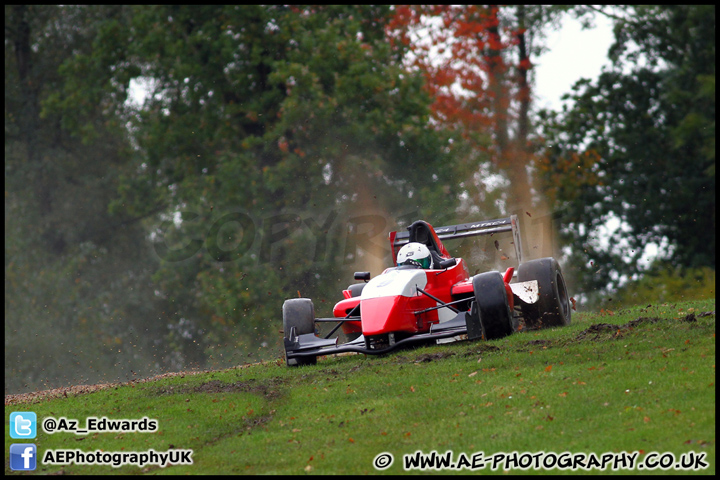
(266,130)
(637,146)
(78,302)
(477,61)
(664,283)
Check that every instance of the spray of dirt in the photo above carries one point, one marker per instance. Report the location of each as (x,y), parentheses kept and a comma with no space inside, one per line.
(529,204)
(372,255)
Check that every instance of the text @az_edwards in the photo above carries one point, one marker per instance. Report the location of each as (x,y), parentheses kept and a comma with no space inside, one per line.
(99,425)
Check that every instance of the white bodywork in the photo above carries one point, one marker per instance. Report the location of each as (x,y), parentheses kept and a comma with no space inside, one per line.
(527,291)
(395,282)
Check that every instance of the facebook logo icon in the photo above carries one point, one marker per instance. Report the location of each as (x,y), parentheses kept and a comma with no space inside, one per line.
(23,425)
(23,456)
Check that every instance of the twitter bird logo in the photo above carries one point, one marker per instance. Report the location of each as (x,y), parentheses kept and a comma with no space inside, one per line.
(23,425)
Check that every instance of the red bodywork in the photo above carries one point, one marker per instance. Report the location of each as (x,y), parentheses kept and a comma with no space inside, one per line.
(396,313)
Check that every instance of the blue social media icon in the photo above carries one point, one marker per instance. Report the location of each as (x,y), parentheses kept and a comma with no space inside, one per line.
(23,425)
(23,456)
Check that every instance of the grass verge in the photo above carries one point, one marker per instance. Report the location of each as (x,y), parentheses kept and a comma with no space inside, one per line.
(639,381)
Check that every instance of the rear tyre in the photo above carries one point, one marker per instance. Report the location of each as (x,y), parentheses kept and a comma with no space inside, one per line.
(553,307)
(492,305)
(299,313)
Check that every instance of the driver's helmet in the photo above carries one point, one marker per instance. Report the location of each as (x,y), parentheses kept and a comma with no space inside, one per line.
(415,253)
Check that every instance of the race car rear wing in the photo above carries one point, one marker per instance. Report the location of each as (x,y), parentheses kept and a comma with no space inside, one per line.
(486,227)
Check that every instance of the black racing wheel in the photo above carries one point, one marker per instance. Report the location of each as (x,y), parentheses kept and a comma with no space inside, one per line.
(553,307)
(300,314)
(492,305)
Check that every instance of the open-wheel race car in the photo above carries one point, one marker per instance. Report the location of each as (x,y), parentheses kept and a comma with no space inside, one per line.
(429,296)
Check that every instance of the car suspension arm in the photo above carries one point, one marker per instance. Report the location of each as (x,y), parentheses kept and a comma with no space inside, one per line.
(442,304)
(352,313)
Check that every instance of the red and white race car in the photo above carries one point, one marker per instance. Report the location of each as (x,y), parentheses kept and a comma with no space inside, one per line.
(430,296)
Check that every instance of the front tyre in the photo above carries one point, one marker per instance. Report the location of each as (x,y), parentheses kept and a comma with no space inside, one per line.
(553,306)
(492,305)
(298,313)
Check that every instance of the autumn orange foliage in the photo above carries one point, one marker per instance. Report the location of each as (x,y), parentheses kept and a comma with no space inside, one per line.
(476,62)
(463,50)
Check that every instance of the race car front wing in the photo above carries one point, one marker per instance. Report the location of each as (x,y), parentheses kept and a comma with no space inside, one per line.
(310,345)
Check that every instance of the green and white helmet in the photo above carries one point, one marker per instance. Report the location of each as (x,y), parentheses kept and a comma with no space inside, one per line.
(415,254)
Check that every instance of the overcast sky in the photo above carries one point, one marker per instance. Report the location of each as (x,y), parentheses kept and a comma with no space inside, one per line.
(573,54)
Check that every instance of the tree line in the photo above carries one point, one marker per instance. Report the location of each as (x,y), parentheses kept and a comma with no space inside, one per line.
(276,146)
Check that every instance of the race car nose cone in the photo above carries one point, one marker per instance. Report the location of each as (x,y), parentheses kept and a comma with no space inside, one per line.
(384,301)
(384,314)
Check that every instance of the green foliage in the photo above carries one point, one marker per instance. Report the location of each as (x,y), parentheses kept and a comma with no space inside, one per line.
(168,234)
(665,283)
(286,116)
(637,145)
(79,306)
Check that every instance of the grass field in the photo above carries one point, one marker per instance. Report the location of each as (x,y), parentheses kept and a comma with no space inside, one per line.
(639,381)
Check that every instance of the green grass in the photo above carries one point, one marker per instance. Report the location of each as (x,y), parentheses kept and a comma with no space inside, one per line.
(606,383)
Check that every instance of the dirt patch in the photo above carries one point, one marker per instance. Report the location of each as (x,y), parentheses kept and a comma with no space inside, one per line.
(531,345)
(478,348)
(598,330)
(482,348)
(39,396)
(641,320)
(256,422)
(64,392)
(431,357)
(270,390)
